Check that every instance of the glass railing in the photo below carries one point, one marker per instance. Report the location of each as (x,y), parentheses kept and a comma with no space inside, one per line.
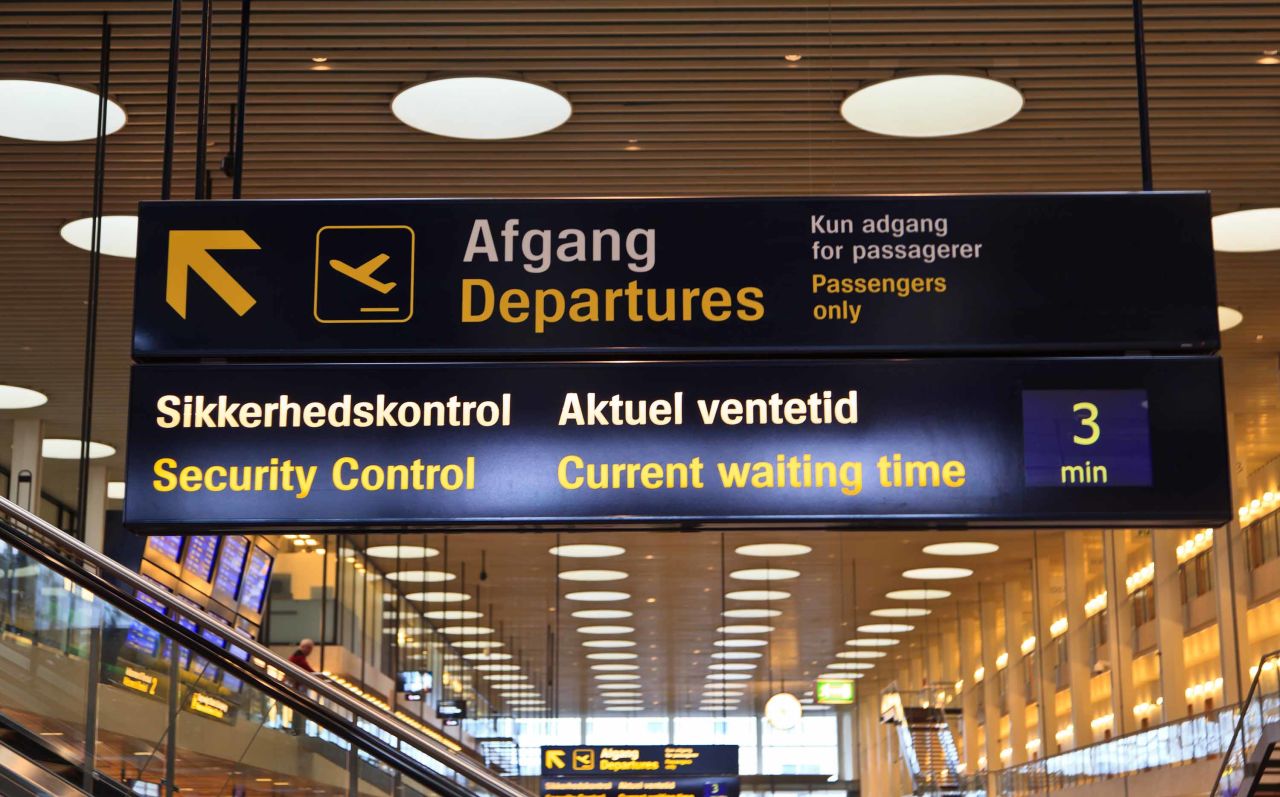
(93,673)
(1261,710)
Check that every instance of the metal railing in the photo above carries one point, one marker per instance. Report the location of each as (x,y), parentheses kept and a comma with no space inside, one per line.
(338,712)
(1261,708)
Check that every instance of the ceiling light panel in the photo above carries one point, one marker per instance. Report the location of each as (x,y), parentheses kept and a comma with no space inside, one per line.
(480,107)
(931,106)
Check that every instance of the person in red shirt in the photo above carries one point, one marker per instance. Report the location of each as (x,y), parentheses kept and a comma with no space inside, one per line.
(299,657)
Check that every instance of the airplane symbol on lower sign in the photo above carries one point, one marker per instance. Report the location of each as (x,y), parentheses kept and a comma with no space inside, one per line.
(363,274)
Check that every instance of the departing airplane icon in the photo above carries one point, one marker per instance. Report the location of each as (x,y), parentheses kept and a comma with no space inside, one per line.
(364,273)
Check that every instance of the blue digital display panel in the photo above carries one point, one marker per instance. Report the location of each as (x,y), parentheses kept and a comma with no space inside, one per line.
(226,580)
(165,547)
(142,636)
(199,558)
(1086,438)
(255,580)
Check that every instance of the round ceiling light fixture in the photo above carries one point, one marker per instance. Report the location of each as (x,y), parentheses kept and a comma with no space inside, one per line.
(453,614)
(602,614)
(730,655)
(605,629)
(497,667)
(13,397)
(119,235)
(481,108)
(931,106)
(1229,318)
(43,110)
(615,667)
(861,654)
(597,596)
(728,676)
(1254,230)
(758,595)
(617,676)
(918,594)
(614,656)
(438,597)
(872,642)
(593,575)
(886,628)
(740,643)
(851,665)
(901,613)
(961,548)
(936,573)
(765,574)
(421,576)
(67,448)
(586,551)
(739,667)
(751,614)
(487,656)
(608,643)
(506,677)
(783,711)
(744,628)
(477,644)
(401,552)
(466,630)
(613,687)
(773,549)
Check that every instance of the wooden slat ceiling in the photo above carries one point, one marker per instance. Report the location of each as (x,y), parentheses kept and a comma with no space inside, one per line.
(704,90)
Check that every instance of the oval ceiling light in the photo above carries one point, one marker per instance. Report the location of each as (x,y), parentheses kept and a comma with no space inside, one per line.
(513,687)
(597,596)
(438,597)
(783,711)
(119,235)
(615,667)
(612,687)
(13,397)
(936,573)
(477,644)
(732,667)
(886,628)
(773,549)
(851,665)
(602,614)
(497,667)
(456,614)
(617,676)
(401,552)
(751,614)
(1255,230)
(605,629)
(918,594)
(593,575)
(633,707)
(506,677)
(861,654)
(740,643)
(1229,318)
(42,110)
(744,628)
(728,676)
(931,106)
(961,548)
(612,656)
(421,576)
(901,613)
(487,656)
(481,108)
(587,551)
(758,595)
(608,643)
(872,642)
(765,574)
(729,655)
(466,630)
(115,491)
(66,448)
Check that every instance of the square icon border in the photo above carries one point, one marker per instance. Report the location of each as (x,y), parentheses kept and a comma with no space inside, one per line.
(413,273)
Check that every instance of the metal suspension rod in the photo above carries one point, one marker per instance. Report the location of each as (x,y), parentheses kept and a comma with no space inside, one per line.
(171,99)
(95,260)
(202,107)
(242,85)
(1144,109)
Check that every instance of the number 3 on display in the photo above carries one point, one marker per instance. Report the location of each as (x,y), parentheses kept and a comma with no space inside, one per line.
(1089,421)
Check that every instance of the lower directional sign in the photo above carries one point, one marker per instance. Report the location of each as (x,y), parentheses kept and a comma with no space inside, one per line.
(845,443)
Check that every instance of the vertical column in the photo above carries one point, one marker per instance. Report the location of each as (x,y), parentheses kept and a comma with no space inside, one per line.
(1169,622)
(95,507)
(1078,669)
(1015,691)
(1231,586)
(869,781)
(1045,661)
(991,674)
(969,696)
(847,742)
(26,461)
(1119,633)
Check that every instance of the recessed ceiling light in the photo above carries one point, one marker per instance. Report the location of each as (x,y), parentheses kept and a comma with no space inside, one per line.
(602,614)
(931,106)
(478,644)
(758,595)
(886,628)
(615,667)
(115,491)
(918,594)
(41,110)
(13,397)
(485,108)
(605,629)
(586,551)
(438,597)
(851,665)
(319,59)
(597,596)
(608,643)
(1229,318)
(751,614)
(792,58)
(119,235)
(961,548)
(735,667)
(901,613)
(740,643)
(617,676)
(65,448)
(487,656)
(744,628)
(453,614)
(421,576)
(401,552)
(1255,230)
(936,573)
(729,655)
(466,630)
(765,574)
(861,654)
(612,656)
(593,575)
(872,642)
(773,549)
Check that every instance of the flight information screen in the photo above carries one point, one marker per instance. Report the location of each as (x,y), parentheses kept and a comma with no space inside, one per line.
(199,558)
(256,574)
(166,548)
(226,580)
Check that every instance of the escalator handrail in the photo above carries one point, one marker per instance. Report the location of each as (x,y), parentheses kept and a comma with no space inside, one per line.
(63,543)
(1237,734)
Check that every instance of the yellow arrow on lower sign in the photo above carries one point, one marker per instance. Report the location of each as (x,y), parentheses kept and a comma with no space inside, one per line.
(189,251)
(555,760)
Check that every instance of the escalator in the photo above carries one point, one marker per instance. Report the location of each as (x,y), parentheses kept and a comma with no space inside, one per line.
(112,686)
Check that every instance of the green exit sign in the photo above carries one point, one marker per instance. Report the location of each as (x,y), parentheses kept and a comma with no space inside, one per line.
(834,693)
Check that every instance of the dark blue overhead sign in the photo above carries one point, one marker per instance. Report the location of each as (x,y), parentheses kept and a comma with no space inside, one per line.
(645,760)
(421,278)
(858,443)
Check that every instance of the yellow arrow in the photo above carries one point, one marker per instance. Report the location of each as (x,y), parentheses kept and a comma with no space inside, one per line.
(189,251)
(555,759)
